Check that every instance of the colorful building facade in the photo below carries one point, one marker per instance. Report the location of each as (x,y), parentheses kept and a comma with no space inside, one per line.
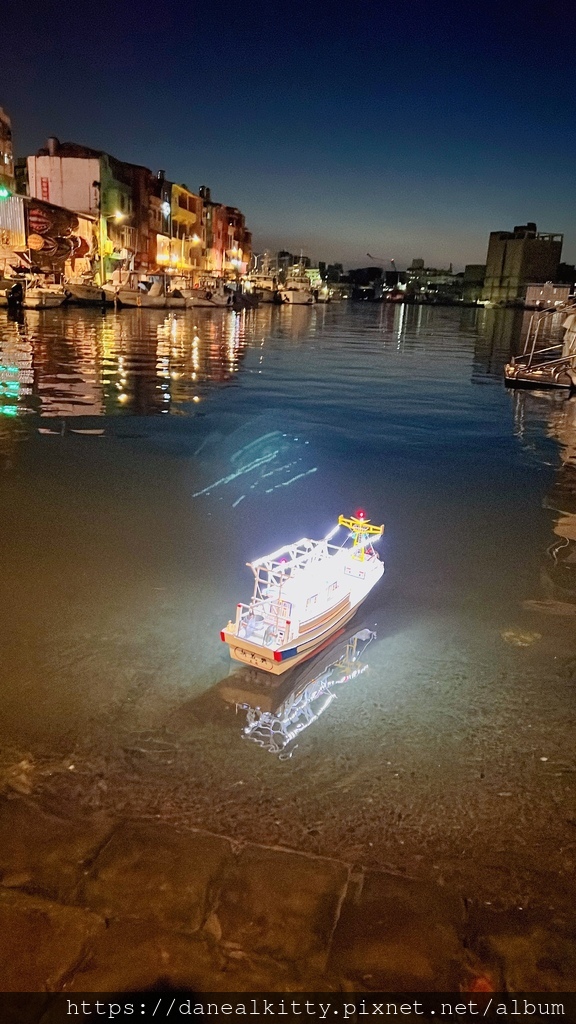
(6,154)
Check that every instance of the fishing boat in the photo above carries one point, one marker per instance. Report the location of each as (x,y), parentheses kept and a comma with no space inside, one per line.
(85,292)
(211,294)
(264,284)
(553,366)
(304,594)
(41,295)
(147,294)
(296,291)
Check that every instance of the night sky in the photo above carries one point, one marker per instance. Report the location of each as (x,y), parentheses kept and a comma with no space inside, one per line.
(402,129)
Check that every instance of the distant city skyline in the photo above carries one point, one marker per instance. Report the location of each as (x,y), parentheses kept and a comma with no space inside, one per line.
(402,133)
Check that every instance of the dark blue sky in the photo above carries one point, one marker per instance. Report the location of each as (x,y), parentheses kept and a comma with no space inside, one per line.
(402,129)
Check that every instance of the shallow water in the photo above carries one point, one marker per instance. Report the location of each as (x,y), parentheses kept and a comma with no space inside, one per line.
(145,457)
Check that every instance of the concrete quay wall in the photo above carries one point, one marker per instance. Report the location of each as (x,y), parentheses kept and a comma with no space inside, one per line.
(101,905)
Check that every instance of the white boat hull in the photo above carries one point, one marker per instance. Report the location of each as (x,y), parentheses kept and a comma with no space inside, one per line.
(201,302)
(43,300)
(88,294)
(141,299)
(296,297)
(307,643)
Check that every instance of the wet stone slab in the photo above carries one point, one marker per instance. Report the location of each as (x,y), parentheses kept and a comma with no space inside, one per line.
(521,953)
(45,853)
(130,957)
(153,871)
(281,904)
(398,934)
(41,942)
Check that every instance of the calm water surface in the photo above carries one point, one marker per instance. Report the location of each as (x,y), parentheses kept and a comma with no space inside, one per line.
(146,456)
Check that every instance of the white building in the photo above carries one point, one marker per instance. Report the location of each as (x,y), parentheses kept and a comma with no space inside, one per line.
(65,180)
(6,154)
(543,296)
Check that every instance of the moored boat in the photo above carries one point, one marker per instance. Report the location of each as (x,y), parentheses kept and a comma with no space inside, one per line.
(304,594)
(296,291)
(39,295)
(551,367)
(86,293)
(211,294)
(265,287)
(146,294)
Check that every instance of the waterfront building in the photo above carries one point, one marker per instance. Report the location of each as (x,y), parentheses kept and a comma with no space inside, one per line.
(366,283)
(93,183)
(543,296)
(239,243)
(315,277)
(187,231)
(432,283)
(285,260)
(215,224)
(334,271)
(146,224)
(12,232)
(567,275)
(6,154)
(159,222)
(39,235)
(473,282)
(227,241)
(518,257)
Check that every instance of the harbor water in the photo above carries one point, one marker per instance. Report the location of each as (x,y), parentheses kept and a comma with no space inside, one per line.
(146,456)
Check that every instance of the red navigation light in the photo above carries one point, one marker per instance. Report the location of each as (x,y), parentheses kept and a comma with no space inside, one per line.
(277,655)
(360,514)
(222,635)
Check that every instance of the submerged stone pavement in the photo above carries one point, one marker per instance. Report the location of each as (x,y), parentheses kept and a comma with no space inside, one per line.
(100,905)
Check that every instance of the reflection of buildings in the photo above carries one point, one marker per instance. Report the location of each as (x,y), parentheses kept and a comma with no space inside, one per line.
(562,572)
(81,364)
(501,333)
(67,378)
(85,365)
(16,370)
(559,415)
(295,322)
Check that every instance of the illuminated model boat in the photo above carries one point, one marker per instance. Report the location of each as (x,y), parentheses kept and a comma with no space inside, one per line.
(304,594)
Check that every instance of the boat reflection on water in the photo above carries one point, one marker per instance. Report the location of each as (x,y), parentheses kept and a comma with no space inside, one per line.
(277,714)
(558,574)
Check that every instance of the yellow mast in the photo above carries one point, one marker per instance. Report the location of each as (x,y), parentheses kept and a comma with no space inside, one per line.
(360,528)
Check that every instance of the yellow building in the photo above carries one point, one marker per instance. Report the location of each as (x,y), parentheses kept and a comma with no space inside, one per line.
(182,250)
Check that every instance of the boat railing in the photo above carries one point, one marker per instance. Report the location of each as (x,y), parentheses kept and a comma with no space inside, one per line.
(263,623)
(533,333)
